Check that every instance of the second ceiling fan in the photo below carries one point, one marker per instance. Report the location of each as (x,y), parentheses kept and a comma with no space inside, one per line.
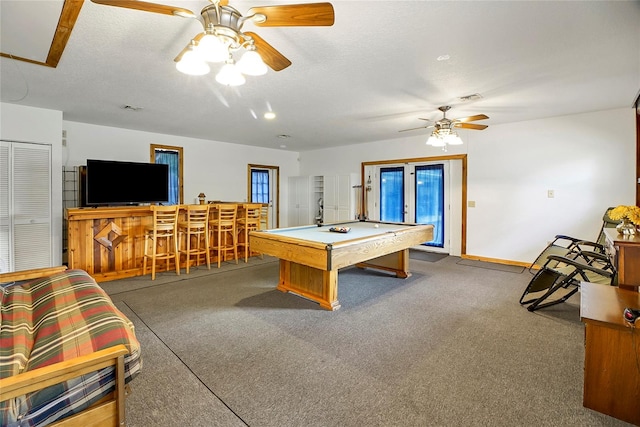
(448,124)
(223,35)
(444,129)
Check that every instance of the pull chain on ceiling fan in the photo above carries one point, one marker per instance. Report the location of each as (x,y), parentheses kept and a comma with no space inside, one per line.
(444,133)
(223,35)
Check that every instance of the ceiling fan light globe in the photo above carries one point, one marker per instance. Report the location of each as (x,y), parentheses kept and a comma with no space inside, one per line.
(453,139)
(435,141)
(252,64)
(212,49)
(192,64)
(229,75)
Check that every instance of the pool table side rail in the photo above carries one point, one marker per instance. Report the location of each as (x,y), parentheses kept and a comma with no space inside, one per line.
(313,254)
(341,254)
(368,248)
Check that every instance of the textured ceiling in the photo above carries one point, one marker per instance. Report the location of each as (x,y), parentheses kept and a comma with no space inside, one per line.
(373,73)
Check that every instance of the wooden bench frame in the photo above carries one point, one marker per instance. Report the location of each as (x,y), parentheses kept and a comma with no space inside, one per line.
(109,411)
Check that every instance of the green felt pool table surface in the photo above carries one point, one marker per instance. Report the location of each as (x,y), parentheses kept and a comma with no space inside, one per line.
(323,234)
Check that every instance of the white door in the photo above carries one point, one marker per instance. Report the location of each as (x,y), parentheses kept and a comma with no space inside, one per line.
(339,197)
(299,201)
(5,224)
(330,199)
(345,192)
(26,196)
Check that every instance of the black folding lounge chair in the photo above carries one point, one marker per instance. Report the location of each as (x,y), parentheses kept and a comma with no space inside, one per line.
(572,247)
(560,278)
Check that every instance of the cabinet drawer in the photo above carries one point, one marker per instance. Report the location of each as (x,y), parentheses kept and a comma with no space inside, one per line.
(612,252)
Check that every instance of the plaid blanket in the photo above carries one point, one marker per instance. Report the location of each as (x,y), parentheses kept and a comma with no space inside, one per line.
(54,319)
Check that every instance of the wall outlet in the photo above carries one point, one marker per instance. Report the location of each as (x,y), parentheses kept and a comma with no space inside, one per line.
(550,194)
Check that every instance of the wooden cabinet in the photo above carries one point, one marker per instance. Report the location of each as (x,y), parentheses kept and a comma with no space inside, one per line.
(611,374)
(624,252)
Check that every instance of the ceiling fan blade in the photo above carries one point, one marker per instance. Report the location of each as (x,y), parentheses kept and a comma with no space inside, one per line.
(302,15)
(470,126)
(147,7)
(472,118)
(269,54)
(426,120)
(421,127)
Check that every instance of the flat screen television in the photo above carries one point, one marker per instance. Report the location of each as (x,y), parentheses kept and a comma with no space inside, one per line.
(110,182)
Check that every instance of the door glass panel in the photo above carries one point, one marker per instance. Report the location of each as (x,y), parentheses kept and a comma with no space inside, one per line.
(392,194)
(429,205)
(259,186)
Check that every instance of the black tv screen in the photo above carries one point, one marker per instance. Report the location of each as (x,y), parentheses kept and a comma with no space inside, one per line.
(126,183)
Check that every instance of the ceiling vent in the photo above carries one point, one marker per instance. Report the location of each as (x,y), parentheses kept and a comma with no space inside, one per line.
(473,97)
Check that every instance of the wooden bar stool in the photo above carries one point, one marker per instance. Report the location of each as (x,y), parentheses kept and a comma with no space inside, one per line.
(264,217)
(194,234)
(248,221)
(160,242)
(223,231)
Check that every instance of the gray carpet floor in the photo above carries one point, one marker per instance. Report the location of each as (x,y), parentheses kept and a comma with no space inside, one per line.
(448,346)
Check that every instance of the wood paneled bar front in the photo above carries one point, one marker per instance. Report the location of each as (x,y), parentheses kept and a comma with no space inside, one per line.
(107,242)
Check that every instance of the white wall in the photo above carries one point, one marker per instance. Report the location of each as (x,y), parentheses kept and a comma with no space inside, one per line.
(588,160)
(218,169)
(38,125)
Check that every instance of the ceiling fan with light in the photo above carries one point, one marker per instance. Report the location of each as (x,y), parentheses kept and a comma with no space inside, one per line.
(444,133)
(223,35)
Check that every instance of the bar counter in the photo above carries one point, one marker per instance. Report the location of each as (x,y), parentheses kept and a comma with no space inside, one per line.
(108,242)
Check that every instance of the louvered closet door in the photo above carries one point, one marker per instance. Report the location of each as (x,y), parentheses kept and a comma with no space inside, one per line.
(31,195)
(5,228)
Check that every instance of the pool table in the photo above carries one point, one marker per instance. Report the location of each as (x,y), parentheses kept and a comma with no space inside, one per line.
(310,256)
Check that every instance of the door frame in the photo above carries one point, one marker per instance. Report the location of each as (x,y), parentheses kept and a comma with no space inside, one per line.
(179,150)
(463,171)
(274,211)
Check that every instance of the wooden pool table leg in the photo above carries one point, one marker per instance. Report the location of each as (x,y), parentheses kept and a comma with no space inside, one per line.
(396,262)
(317,285)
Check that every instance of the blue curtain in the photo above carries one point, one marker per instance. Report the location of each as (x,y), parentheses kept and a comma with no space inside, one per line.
(392,194)
(259,186)
(430,200)
(170,158)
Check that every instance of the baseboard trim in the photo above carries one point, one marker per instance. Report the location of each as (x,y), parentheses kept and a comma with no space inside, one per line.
(495,260)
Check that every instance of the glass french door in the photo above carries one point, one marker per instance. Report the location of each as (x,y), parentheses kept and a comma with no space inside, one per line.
(416,193)
(392,193)
(429,205)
